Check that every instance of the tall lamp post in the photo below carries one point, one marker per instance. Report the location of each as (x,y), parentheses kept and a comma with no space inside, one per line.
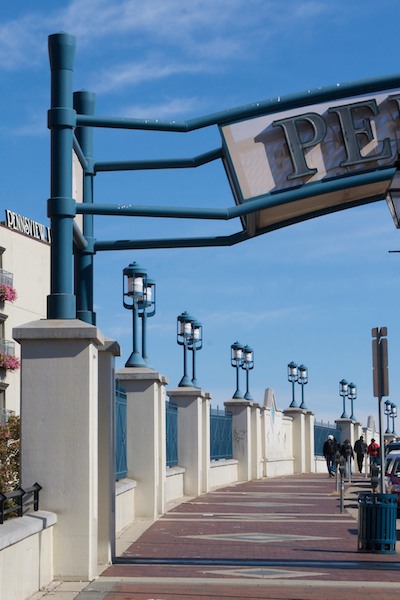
(237,362)
(344,392)
(388,412)
(352,396)
(302,380)
(248,364)
(393,414)
(147,309)
(195,343)
(184,334)
(134,299)
(293,376)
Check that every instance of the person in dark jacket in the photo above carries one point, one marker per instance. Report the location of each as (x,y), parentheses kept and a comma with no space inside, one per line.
(346,451)
(329,450)
(360,448)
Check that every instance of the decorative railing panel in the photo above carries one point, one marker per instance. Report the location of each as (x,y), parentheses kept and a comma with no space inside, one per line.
(121,469)
(220,434)
(171,411)
(321,432)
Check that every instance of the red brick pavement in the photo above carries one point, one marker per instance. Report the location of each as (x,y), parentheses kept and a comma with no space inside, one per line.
(282,538)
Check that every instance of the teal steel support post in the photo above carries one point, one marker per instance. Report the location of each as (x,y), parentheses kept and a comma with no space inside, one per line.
(61,206)
(84,103)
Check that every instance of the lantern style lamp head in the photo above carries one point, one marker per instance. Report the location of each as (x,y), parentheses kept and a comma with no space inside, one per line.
(134,285)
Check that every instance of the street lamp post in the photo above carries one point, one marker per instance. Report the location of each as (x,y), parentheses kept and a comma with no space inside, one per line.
(302,380)
(195,343)
(237,362)
(293,376)
(388,412)
(184,335)
(248,364)
(393,414)
(147,309)
(352,394)
(134,298)
(344,392)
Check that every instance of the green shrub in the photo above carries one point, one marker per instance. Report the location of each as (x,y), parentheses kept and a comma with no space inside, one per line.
(10,455)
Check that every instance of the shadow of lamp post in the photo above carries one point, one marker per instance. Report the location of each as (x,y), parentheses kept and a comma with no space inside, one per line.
(352,395)
(302,380)
(293,376)
(247,365)
(344,392)
(237,362)
(195,343)
(183,337)
(135,291)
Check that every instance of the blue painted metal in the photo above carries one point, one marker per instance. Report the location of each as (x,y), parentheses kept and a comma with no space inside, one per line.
(62,121)
(321,432)
(171,412)
(248,111)
(61,206)
(220,434)
(85,102)
(121,469)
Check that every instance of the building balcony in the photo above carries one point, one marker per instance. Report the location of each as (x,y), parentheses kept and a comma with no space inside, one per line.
(6,277)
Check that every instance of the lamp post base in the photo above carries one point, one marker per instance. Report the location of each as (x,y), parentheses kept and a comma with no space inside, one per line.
(185,382)
(136,360)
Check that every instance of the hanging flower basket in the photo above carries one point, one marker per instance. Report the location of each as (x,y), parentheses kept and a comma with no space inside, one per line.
(7,292)
(9,362)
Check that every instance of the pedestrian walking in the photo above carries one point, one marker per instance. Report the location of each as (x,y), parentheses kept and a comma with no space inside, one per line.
(346,451)
(373,452)
(360,448)
(329,450)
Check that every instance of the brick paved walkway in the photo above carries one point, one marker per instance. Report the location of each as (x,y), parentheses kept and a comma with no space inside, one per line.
(282,538)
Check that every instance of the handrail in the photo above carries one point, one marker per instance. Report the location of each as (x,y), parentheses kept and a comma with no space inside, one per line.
(25,499)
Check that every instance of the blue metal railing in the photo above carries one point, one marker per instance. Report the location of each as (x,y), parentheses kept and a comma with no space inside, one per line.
(220,434)
(321,432)
(171,411)
(121,469)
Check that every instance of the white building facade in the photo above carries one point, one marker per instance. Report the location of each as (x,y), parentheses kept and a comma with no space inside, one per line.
(25,266)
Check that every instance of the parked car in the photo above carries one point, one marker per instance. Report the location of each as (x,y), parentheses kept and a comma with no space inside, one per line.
(392,446)
(392,473)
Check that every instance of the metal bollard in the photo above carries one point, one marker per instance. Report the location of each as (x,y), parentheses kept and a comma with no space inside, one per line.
(341,470)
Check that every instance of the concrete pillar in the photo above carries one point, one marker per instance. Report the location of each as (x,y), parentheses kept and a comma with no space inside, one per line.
(193,437)
(106,444)
(299,438)
(59,429)
(241,436)
(256,444)
(346,426)
(309,441)
(146,441)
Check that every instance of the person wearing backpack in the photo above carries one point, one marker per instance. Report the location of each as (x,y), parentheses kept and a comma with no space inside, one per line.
(346,451)
(329,450)
(360,448)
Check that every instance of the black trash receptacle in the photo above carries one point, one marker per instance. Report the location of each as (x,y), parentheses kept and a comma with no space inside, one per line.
(377,523)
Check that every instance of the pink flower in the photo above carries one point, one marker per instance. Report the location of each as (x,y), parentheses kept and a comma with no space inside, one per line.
(9,362)
(7,292)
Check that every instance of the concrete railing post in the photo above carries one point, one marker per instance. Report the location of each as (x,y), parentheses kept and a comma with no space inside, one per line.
(59,428)
(241,436)
(193,437)
(299,432)
(146,441)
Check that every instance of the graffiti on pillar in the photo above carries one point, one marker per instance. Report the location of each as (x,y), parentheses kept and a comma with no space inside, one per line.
(238,438)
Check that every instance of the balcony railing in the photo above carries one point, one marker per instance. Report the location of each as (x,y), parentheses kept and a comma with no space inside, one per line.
(7,347)
(6,277)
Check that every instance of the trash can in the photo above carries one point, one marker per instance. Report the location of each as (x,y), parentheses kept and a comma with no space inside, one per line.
(377,523)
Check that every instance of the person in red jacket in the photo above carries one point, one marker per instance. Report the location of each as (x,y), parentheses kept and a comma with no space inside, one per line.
(373,452)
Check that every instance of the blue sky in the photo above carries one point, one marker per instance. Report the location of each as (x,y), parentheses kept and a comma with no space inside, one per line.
(309,293)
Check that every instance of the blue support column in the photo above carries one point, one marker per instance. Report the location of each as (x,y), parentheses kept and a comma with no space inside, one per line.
(84,103)
(61,206)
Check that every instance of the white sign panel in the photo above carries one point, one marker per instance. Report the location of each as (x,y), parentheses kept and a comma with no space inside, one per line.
(326,140)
